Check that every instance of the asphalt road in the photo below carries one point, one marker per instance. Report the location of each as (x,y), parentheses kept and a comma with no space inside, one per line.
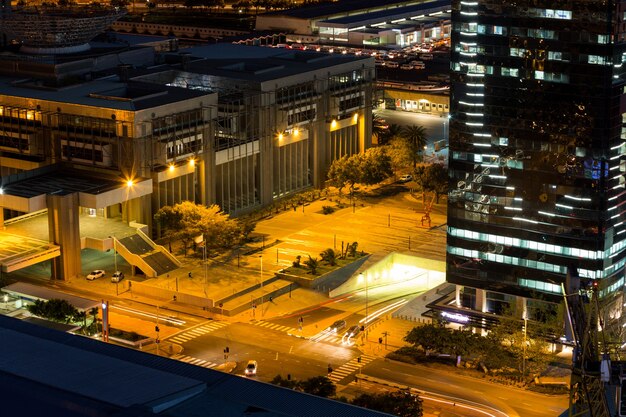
(515,402)
(275,351)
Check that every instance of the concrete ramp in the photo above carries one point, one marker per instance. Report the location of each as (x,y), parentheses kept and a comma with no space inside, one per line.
(397,272)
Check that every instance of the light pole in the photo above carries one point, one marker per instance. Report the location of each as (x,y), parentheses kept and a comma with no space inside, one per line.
(262,312)
(115,252)
(366,303)
(524,347)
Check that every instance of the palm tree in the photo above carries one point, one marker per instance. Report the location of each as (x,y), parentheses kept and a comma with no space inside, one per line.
(415,136)
(312,264)
(329,256)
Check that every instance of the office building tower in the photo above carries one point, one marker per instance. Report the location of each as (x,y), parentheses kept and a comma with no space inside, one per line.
(537,159)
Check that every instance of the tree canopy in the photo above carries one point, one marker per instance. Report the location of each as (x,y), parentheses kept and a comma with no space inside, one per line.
(56,310)
(186,221)
(367,168)
(400,403)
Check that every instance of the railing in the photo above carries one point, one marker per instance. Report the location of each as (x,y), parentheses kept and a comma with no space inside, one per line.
(160,248)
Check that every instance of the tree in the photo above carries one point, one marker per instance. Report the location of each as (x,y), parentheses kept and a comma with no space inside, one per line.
(438,180)
(430,337)
(399,403)
(312,264)
(284,382)
(187,220)
(55,310)
(462,342)
(329,256)
(321,386)
(379,128)
(344,171)
(375,166)
(415,138)
(368,168)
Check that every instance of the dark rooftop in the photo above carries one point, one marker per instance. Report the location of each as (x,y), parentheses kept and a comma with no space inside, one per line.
(335,8)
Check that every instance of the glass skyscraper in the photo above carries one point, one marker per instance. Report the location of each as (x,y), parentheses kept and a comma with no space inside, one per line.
(537,150)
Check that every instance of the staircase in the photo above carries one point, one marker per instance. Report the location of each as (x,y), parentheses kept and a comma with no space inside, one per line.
(141,252)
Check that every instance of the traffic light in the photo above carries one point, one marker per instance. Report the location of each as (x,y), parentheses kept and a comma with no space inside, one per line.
(156,329)
(174,298)
(362,328)
(380,340)
(358,359)
(227,350)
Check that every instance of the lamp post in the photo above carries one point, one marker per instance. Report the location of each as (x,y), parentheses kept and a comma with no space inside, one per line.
(524,347)
(115,253)
(366,303)
(262,312)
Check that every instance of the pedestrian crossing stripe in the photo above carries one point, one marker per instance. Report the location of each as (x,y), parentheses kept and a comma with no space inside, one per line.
(194,361)
(274,326)
(190,334)
(350,367)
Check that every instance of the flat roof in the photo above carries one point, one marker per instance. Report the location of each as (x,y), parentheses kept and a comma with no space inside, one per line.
(259,64)
(103,93)
(63,181)
(75,376)
(26,290)
(335,8)
(396,13)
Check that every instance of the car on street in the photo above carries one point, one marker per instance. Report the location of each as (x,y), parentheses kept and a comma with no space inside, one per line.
(338,325)
(117,276)
(406,67)
(350,334)
(98,273)
(251,368)
(406,178)
(392,64)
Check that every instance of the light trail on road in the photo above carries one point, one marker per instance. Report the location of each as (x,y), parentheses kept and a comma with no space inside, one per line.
(382,311)
(161,318)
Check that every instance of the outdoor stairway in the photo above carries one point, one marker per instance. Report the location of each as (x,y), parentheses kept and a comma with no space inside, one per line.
(140,251)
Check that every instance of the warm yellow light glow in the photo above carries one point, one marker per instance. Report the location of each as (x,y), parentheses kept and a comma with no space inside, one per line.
(296,132)
(172,168)
(129,183)
(280,136)
(355,118)
(192,162)
(333,124)
(30,115)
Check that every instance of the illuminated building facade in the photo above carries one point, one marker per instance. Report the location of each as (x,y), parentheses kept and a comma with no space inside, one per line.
(225,124)
(537,157)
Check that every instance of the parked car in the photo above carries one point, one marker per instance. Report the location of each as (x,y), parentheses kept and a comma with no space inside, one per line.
(392,64)
(338,325)
(406,67)
(117,276)
(406,178)
(98,273)
(426,57)
(251,368)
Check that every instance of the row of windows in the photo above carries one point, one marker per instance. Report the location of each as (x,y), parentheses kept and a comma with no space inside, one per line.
(548,13)
(539,285)
(473,27)
(508,260)
(527,244)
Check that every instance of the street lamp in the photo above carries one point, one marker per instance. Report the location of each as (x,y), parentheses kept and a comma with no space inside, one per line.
(363,276)
(262,312)
(524,346)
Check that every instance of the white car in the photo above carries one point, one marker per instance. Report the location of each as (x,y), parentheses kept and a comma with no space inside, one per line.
(251,368)
(98,273)
(117,276)
(406,178)
(392,64)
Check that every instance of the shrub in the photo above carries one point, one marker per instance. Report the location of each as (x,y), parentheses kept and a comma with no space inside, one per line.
(327,209)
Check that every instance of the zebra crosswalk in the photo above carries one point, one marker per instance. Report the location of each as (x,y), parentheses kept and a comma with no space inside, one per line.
(350,367)
(275,326)
(188,335)
(327,337)
(194,361)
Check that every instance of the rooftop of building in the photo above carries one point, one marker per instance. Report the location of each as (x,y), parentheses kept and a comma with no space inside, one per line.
(339,7)
(74,376)
(260,64)
(413,11)
(106,93)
